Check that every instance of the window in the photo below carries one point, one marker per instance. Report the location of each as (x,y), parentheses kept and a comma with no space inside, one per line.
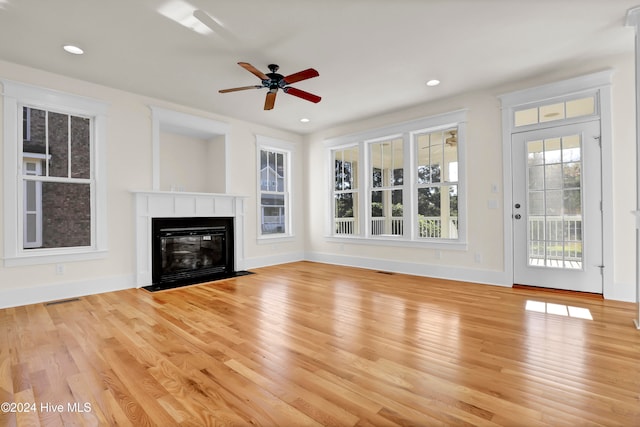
(549,112)
(345,190)
(412,176)
(386,181)
(53,171)
(274,187)
(57,180)
(437,183)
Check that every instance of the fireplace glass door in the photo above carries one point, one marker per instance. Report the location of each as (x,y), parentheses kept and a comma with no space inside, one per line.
(192,252)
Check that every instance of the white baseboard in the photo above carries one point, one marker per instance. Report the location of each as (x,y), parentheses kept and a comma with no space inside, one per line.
(58,291)
(52,292)
(622,292)
(487,277)
(265,261)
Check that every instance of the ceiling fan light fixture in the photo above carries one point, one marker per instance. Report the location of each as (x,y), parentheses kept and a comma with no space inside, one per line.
(75,50)
(433,82)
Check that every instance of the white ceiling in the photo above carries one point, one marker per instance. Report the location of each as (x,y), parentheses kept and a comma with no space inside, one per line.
(373,56)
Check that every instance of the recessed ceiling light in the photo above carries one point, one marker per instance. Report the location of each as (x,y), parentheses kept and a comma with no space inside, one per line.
(73,49)
(305,120)
(433,82)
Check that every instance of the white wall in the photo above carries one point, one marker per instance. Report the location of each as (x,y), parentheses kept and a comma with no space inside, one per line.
(129,164)
(186,165)
(483,260)
(130,168)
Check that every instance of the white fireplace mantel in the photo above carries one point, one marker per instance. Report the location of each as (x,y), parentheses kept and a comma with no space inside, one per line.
(165,204)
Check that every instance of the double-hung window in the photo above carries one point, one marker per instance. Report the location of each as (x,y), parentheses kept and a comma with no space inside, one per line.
(55,203)
(57,180)
(412,175)
(437,183)
(274,172)
(386,179)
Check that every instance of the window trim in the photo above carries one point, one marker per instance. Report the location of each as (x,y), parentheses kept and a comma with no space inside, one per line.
(264,143)
(407,130)
(16,95)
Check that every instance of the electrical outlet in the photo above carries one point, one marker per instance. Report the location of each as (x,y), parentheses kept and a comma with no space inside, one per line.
(478,257)
(60,269)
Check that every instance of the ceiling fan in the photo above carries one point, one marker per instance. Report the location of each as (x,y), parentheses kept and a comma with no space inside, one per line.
(274,81)
(453,139)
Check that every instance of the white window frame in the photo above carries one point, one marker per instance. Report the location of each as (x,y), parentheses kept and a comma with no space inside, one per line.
(16,95)
(406,131)
(264,143)
(384,188)
(444,182)
(356,193)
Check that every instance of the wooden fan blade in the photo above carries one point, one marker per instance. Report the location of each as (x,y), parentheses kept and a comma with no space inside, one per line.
(301,75)
(270,100)
(302,94)
(250,68)
(235,89)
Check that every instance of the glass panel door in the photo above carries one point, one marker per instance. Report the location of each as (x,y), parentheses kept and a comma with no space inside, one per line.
(557,217)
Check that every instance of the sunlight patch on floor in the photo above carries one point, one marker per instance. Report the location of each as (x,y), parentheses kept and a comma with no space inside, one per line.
(558,309)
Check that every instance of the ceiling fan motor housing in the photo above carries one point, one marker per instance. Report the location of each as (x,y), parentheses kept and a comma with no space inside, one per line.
(275,81)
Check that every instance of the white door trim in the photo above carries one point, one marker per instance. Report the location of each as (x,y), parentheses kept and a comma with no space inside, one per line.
(600,82)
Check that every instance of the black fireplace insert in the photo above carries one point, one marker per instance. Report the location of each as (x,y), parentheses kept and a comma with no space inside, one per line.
(191,250)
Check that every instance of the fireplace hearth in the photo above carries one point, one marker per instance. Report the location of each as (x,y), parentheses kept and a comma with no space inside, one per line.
(191,250)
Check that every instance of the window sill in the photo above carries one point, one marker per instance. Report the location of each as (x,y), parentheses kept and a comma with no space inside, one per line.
(453,245)
(53,256)
(275,238)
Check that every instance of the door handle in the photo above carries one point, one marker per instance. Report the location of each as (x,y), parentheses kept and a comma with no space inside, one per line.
(517,205)
(517,216)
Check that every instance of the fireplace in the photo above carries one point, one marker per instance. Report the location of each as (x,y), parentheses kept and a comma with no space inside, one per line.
(191,250)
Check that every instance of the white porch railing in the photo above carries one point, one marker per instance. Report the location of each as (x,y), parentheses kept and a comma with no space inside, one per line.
(555,238)
(431,227)
(345,225)
(273,224)
(387,226)
(428,227)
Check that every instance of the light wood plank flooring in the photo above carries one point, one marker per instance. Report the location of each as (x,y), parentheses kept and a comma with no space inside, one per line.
(309,344)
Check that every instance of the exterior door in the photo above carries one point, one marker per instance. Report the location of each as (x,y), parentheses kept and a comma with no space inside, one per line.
(557,211)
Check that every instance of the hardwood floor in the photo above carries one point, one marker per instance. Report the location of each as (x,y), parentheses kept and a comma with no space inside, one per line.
(308,344)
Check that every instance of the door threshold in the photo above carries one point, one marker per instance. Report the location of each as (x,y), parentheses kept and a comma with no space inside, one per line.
(578,294)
